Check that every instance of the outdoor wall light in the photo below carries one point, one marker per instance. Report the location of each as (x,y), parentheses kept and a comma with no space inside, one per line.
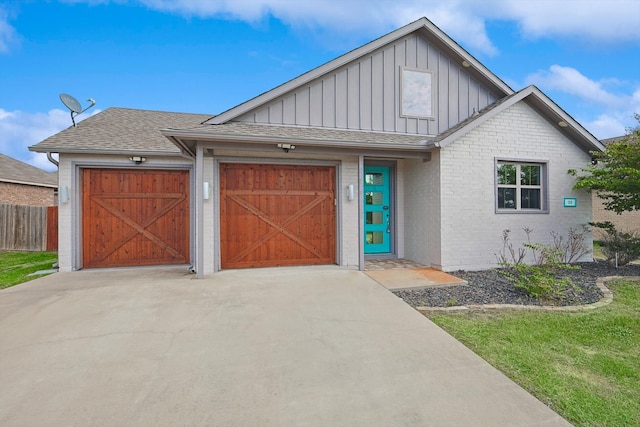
(63,194)
(206,190)
(137,159)
(351,195)
(286,147)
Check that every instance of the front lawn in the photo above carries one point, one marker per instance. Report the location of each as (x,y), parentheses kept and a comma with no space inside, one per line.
(16,266)
(585,366)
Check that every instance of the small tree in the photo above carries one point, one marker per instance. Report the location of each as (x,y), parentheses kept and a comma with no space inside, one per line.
(616,175)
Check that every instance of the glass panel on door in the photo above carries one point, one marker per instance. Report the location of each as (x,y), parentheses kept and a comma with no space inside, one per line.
(377,210)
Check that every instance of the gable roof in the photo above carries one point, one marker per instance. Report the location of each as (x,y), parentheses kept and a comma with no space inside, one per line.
(536,99)
(425,27)
(120,130)
(16,172)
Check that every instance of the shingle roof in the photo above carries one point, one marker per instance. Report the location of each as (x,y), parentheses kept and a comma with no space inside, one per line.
(299,133)
(121,130)
(12,170)
(608,141)
(232,135)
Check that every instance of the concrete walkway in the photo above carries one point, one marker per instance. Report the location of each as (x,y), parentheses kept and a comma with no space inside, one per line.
(305,346)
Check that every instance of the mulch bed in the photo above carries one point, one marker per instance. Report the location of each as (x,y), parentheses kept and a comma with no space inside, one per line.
(490,287)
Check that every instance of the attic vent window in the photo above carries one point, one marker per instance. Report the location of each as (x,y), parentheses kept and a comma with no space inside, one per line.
(416,94)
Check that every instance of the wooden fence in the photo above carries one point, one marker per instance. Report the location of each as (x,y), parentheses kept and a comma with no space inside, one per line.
(28,228)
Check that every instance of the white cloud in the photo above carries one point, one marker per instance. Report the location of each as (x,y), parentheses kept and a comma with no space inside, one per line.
(8,35)
(618,106)
(607,126)
(571,81)
(609,21)
(344,17)
(459,23)
(19,130)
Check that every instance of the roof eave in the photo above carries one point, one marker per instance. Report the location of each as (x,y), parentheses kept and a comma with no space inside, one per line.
(34,184)
(190,140)
(67,150)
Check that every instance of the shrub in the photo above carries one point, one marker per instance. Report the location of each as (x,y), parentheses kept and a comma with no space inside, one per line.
(623,245)
(507,254)
(542,279)
(539,281)
(574,247)
(561,251)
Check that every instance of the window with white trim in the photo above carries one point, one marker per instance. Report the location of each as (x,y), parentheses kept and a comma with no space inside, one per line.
(520,186)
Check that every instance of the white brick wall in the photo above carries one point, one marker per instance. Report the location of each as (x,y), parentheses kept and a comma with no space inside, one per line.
(420,211)
(471,230)
(66,225)
(349,220)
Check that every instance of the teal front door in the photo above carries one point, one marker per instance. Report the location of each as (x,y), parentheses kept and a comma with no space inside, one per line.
(377,210)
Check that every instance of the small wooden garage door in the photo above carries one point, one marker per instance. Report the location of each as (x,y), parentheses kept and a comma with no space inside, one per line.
(134,217)
(276,215)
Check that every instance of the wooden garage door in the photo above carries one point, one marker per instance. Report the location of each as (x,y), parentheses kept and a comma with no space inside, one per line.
(134,217)
(276,215)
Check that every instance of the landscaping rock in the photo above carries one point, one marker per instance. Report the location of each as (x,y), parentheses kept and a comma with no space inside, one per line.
(490,287)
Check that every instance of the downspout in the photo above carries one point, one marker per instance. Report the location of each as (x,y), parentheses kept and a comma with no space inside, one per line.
(51,159)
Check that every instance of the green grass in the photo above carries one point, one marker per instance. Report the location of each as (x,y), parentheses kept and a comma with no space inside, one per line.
(585,366)
(15,266)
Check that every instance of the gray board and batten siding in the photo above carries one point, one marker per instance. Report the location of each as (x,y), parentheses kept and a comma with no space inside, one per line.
(365,94)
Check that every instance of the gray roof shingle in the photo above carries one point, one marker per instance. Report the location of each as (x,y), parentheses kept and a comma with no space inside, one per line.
(121,130)
(304,133)
(12,170)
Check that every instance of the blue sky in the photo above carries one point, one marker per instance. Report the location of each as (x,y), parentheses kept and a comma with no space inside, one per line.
(207,56)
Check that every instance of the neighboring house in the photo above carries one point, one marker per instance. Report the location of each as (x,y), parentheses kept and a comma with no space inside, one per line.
(23,184)
(405,147)
(626,221)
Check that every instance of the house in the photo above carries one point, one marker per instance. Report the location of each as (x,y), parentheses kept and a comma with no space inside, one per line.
(405,147)
(23,184)
(626,221)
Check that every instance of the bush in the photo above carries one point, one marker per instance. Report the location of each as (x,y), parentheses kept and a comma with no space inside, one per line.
(560,251)
(574,247)
(543,279)
(625,246)
(539,281)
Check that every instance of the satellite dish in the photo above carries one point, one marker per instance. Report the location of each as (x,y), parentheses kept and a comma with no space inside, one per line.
(74,106)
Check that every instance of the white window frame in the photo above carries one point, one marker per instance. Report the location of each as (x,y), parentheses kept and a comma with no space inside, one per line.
(543,187)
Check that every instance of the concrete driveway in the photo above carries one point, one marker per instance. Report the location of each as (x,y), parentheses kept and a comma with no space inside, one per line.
(312,346)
